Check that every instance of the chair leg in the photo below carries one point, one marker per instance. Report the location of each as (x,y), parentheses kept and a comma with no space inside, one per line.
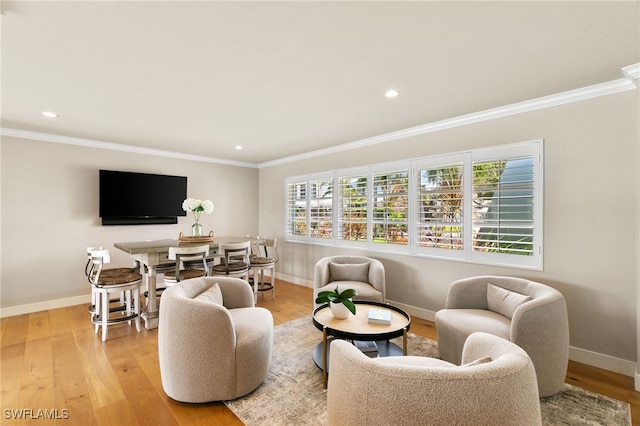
(273,284)
(95,295)
(105,313)
(255,285)
(127,296)
(136,306)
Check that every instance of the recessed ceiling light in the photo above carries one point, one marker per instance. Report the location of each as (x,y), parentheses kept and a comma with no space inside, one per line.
(392,93)
(238,147)
(49,114)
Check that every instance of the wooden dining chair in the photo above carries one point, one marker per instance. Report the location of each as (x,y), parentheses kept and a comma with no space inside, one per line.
(88,268)
(263,258)
(234,261)
(125,283)
(185,257)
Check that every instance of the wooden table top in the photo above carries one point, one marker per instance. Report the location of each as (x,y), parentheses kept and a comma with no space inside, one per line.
(357,326)
(160,246)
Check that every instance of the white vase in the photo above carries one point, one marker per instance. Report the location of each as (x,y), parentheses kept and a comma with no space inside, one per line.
(339,311)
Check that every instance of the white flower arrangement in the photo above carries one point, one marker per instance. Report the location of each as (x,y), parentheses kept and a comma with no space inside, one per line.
(197,206)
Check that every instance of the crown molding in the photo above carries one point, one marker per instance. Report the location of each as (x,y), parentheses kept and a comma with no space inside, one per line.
(47,137)
(632,72)
(602,89)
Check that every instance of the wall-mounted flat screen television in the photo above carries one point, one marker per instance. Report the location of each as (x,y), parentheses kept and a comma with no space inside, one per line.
(129,198)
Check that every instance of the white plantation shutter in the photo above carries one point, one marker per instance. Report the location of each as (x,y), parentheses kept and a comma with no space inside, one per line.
(440,206)
(321,208)
(352,217)
(503,219)
(390,204)
(296,208)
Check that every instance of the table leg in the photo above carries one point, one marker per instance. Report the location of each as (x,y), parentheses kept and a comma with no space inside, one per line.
(324,357)
(150,315)
(404,342)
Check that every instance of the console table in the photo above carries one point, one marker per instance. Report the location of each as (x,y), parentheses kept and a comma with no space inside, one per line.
(151,253)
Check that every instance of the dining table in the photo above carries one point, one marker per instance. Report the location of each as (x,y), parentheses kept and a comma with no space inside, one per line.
(152,253)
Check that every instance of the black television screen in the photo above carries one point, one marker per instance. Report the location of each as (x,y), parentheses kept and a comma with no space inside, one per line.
(128,198)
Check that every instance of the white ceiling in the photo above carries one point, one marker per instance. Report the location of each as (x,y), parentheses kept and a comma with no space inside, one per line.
(285,78)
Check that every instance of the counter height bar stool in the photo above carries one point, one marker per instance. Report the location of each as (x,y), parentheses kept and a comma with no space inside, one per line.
(234,261)
(264,258)
(126,283)
(105,271)
(185,257)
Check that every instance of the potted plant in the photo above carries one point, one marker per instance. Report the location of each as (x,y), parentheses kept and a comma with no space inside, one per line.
(339,302)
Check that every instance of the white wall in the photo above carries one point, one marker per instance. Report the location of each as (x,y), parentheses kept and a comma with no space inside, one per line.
(50,212)
(590,218)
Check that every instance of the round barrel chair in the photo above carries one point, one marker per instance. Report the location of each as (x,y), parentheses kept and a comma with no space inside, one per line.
(496,385)
(530,314)
(213,343)
(363,274)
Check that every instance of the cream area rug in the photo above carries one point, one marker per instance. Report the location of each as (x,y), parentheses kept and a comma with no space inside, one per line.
(292,393)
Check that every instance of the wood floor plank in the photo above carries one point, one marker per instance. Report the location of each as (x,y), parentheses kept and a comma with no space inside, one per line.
(70,387)
(37,382)
(102,382)
(11,370)
(118,413)
(38,326)
(16,330)
(137,387)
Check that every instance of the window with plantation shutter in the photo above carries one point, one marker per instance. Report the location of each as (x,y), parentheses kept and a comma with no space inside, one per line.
(321,208)
(353,213)
(297,208)
(503,202)
(440,206)
(390,205)
(481,206)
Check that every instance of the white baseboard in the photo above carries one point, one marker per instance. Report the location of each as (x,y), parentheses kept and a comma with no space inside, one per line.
(606,362)
(44,306)
(294,280)
(414,311)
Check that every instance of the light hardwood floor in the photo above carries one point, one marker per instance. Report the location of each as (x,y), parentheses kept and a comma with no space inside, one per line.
(52,360)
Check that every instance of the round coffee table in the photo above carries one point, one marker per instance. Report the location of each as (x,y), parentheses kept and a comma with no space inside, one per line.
(357,327)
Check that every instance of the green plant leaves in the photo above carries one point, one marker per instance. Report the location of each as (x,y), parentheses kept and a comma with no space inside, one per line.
(337,297)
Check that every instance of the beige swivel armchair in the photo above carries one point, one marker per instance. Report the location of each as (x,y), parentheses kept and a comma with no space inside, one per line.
(495,386)
(527,313)
(213,343)
(364,274)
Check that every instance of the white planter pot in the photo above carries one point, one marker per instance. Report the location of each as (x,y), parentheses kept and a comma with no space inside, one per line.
(339,311)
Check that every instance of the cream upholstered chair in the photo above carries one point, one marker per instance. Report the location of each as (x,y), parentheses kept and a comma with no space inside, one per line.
(529,314)
(364,274)
(124,282)
(495,386)
(185,257)
(234,261)
(213,343)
